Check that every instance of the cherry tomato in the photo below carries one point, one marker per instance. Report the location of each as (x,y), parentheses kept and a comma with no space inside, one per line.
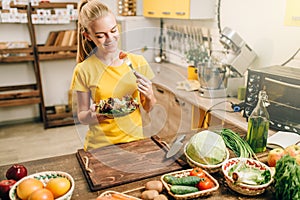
(205,184)
(197,171)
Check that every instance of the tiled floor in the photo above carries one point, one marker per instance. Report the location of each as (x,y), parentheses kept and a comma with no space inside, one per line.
(30,141)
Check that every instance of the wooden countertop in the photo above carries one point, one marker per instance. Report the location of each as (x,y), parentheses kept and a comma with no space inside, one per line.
(70,164)
(167,75)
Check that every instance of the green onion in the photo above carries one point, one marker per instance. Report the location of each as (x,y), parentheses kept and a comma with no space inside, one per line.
(237,144)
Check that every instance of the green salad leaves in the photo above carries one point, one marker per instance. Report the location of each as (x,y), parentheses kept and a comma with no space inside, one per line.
(287,179)
(243,173)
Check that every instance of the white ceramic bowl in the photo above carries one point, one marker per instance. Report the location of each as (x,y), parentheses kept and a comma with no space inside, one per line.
(45,177)
(245,189)
(208,168)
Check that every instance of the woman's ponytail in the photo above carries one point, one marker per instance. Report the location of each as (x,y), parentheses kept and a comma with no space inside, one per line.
(88,11)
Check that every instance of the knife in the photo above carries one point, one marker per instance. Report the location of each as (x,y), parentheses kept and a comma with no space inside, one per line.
(176,146)
(166,147)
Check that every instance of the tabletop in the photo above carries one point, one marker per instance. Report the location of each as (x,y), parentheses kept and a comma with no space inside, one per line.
(69,163)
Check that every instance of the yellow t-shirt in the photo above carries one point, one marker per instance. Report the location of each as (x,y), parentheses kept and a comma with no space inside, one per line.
(102,82)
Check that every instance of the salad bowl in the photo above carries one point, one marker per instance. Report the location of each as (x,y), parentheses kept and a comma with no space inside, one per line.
(247,176)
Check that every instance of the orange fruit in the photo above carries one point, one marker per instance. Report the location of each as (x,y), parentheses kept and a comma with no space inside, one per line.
(27,186)
(41,194)
(58,186)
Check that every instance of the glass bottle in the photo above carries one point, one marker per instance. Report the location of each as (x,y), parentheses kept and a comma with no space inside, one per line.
(258,125)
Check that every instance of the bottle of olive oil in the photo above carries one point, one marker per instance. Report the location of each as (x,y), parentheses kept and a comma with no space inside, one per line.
(258,125)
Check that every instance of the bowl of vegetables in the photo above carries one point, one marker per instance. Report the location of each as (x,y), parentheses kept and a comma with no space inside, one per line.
(206,150)
(189,184)
(247,176)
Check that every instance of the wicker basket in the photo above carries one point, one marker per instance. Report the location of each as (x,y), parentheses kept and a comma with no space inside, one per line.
(249,190)
(194,195)
(208,168)
(44,177)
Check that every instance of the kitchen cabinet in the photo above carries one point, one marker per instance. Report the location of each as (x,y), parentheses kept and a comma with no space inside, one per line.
(179,9)
(18,94)
(156,121)
(180,114)
(170,115)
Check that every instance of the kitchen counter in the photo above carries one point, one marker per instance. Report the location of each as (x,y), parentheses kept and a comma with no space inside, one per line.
(167,75)
(70,164)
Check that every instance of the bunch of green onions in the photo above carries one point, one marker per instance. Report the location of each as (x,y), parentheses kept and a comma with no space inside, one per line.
(237,144)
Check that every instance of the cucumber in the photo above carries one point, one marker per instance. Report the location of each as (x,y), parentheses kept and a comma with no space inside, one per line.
(183,189)
(169,179)
(187,180)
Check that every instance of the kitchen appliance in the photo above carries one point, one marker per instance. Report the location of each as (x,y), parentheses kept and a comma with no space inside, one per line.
(211,75)
(282,84)
(239,56)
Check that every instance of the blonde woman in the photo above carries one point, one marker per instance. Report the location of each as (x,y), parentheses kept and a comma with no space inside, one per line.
(101,74)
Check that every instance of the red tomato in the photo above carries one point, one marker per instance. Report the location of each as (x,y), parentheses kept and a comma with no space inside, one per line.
(197,171)
(205,184)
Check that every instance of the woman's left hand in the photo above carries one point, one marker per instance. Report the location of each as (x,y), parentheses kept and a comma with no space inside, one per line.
(146,91)
(144,85)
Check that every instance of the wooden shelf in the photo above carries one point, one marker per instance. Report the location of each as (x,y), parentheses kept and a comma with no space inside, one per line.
(18,55)
(58,119)
(47,5)
(61,56)
(43,5)
(14,59)
(32,93)
(20,102)
(57,123)
(19,95)
(45,53)
(57,53)
(49,49)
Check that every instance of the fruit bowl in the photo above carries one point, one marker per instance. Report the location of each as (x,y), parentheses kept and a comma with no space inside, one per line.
(208,168)
(243,188)
(45,177)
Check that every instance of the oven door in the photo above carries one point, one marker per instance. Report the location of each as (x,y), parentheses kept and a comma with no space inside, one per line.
(284,108)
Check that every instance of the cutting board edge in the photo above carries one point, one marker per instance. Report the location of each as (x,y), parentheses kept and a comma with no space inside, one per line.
(86,175)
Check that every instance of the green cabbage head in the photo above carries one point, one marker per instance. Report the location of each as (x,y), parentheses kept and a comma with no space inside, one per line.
(206,147)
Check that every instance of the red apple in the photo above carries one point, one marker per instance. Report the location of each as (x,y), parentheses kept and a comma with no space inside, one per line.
(274,155)
(292,150)
(16,172)
(5,186)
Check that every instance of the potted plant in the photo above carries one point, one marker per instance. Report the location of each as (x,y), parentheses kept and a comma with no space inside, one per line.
(194,56)
(197,54)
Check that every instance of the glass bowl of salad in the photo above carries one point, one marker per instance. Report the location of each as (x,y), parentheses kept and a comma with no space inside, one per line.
(247,176)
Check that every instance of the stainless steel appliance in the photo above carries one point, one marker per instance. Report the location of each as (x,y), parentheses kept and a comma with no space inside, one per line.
(239,54)
(282,84)
(227,78)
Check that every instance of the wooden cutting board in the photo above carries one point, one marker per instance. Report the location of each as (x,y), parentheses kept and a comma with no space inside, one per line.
(119,164)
